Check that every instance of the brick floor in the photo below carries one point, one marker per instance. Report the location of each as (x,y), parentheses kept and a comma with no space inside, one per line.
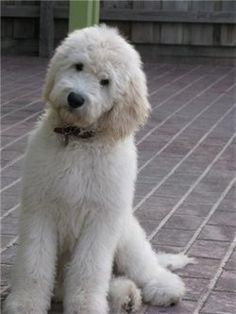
(185,195)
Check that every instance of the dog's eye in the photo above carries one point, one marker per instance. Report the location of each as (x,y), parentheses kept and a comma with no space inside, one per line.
(79,66)
(104,82)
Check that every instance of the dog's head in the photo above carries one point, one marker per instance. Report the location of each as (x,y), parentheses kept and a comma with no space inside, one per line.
(95,78)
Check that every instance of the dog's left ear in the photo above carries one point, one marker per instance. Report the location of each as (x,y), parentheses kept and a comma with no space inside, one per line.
(136,100)
(131,112)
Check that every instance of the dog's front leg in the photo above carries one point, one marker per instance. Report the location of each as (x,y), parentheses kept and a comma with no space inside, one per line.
(88,273)
(33,272)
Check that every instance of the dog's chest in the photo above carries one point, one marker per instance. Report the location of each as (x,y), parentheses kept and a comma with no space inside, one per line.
(80,176)
(87,181)
(77,179)
(82,180)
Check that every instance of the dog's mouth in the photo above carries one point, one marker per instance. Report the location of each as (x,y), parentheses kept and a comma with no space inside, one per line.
(70,116)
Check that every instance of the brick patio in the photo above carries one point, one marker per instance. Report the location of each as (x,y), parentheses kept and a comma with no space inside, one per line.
(185,194)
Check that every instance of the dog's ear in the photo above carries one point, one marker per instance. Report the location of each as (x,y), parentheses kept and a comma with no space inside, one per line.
(49,81)
(131,111)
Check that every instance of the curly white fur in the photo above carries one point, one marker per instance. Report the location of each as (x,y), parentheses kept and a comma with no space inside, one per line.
(76,208)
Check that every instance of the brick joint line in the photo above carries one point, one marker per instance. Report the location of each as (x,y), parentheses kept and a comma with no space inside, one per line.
(213,281)
(214,207)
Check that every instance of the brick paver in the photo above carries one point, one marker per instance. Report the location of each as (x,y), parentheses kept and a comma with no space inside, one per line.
(185,194)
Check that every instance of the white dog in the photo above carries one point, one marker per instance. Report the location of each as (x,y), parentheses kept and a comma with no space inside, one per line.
(78,186)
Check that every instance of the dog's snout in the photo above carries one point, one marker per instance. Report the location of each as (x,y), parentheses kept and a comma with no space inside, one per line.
(75,100)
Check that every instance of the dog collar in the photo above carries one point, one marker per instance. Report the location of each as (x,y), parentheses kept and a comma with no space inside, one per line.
(74,131)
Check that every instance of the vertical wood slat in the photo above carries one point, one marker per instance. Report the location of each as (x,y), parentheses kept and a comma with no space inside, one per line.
(24,29)
(46,28)
(229,5)
(169,33)
(180,5)
(124,4)
(201,35)
(203,5)
(172,35)
(142,33)
(124,27)
(108,4)
(228,35)
(7,28)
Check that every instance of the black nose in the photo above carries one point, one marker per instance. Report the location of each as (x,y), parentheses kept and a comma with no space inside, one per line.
(75,100)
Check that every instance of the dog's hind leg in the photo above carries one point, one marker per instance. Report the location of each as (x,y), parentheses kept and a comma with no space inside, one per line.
(124,296)
(136,259)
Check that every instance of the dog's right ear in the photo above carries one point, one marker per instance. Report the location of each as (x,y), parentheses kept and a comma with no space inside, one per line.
(51,72)
(49,81)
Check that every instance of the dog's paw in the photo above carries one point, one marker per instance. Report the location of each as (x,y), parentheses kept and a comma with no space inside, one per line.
(174,261)
(131,300)
(164,290)
(21,305)
(83,302)
(124,296)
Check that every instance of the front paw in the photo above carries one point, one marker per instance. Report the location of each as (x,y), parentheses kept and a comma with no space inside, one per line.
(164,290)
(22,305)
(86,304)
(124,296)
